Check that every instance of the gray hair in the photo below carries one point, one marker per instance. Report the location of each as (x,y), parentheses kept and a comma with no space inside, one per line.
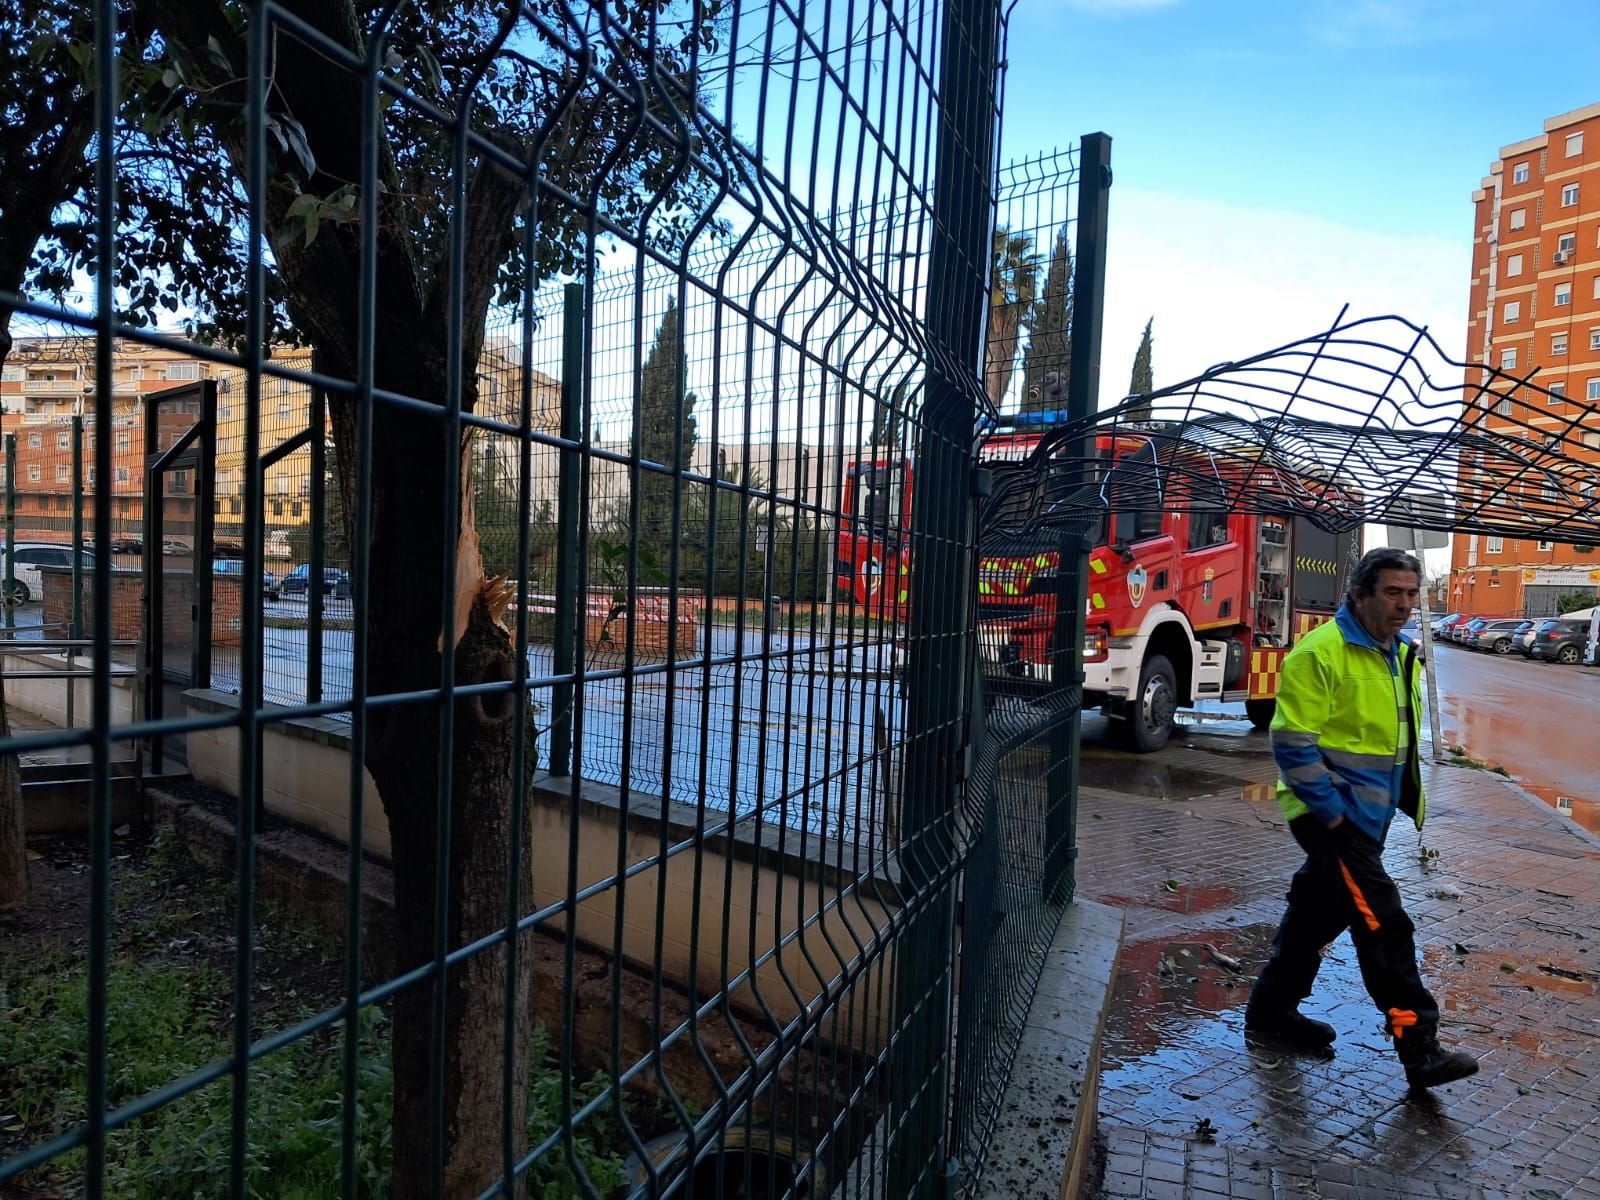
(1364,580)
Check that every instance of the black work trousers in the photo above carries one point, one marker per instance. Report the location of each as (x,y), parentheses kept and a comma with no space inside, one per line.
(1343,885)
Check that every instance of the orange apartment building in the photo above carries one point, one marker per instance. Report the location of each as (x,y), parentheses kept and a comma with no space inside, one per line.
(1535,304)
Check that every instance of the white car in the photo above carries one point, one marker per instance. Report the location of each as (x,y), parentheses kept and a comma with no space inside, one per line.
(24,562)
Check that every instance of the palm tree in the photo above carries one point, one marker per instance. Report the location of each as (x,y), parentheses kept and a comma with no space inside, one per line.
(1013,285)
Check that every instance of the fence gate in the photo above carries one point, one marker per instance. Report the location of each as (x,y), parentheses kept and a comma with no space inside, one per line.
(179,505)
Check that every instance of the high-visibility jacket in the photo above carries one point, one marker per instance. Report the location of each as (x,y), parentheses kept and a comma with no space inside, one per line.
(1344,735)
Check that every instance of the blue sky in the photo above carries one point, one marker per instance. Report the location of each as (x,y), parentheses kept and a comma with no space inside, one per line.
(1275,160)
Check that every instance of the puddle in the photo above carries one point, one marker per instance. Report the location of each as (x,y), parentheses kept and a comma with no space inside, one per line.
(1583,811)
(1141,777)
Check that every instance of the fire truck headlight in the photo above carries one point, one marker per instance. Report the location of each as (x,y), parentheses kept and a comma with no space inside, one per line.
(1095,646)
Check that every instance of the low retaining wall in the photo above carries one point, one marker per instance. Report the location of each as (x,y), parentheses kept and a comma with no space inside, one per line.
(127,605)
(789,926)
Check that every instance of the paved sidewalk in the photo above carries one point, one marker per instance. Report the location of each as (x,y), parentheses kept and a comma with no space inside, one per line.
(1508,919)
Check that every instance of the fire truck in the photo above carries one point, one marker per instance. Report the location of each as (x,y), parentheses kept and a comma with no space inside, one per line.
(1188,600)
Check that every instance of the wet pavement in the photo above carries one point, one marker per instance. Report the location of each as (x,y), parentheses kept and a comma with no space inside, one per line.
(1508,917)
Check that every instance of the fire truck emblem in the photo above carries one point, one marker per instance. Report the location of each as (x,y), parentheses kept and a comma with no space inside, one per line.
(1136,582)
(1207,590)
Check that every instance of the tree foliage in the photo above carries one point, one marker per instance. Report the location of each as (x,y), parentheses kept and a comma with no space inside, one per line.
(1050,330)
(1142,382)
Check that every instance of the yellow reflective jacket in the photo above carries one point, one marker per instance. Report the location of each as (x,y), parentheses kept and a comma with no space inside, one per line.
(1342,717)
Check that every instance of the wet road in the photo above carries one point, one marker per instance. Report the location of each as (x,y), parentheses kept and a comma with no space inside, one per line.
(1536,719)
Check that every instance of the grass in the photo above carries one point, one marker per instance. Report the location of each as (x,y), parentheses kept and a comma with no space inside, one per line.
(169,996)
(1458,757)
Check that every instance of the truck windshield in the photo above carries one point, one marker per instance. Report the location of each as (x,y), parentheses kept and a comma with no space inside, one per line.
(878,497)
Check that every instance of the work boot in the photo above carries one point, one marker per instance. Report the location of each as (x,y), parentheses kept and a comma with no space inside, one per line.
(1429,1064)
(1292,1028)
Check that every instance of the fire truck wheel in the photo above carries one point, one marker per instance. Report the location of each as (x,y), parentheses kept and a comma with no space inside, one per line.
(1260,712)
(1150,717)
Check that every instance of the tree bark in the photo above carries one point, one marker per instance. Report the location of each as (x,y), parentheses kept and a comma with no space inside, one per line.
(14,886)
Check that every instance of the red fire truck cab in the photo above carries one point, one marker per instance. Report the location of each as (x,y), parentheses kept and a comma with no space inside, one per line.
(1188,600)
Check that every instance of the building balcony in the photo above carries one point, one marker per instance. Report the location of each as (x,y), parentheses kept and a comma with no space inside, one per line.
(56,387)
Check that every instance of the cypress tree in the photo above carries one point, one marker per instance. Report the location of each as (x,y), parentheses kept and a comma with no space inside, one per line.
(1050,346)
(1142,383)
(663,408)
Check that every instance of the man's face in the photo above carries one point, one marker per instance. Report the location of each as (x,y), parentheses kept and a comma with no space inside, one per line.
(1389,607)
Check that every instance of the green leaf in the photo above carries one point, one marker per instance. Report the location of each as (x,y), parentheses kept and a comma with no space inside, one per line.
(42,45)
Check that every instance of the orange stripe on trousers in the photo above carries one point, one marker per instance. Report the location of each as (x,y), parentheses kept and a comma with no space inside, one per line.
(1362,906)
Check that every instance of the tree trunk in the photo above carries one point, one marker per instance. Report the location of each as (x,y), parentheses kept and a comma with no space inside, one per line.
(1004,321)
(13,842)
(409,514)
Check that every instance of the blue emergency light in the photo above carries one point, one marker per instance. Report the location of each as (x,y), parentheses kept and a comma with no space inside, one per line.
(1025,420)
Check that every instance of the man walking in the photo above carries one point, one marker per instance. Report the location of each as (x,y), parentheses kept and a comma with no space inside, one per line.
(1345,740)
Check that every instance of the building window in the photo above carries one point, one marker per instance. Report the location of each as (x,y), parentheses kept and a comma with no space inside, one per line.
(295,508)
(1594,389)
(34,474)
(1574,144)
(124,441)
(63,442)
(1519,218)
(1558,392)
(183,370)
(1547,545)
(93,474)
(1592,440)
(277,508)
(1569,195)
(122,474)
(1558,343)
(1504,407)
(1512,312)
(1519,173)
(1508,359)
(1494,545)
(1513,265)
(35,441)
(1566,243)
(1494,578)
(124,507)
(1597,287)
(283,410)
(1563,294)
(61,473)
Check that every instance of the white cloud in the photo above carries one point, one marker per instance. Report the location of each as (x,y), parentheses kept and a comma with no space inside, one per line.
(1366,24)
(1224,282)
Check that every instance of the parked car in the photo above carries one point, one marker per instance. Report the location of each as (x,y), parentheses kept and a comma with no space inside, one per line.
(296,582)
(127,545)
(173,546)
(1494,636)
(235,568)
(1442,628)
(1459,634)
(24,561)
(1524,640)
(1560,640)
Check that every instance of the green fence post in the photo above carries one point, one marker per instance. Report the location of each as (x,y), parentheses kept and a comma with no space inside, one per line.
(567,501)
(1083,386)
(11,529)
(77,527)
(939,679)
(318,556)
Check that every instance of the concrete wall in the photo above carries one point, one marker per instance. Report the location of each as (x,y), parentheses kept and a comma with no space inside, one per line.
(305,765)
(47,698)
(782,913)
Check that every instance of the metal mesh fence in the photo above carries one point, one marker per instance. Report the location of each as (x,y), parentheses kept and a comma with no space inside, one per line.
(646,835)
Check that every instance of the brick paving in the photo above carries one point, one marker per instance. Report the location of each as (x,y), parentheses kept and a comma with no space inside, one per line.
(1508,918)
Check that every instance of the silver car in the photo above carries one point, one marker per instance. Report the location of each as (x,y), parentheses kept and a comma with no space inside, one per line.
(1494,636)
